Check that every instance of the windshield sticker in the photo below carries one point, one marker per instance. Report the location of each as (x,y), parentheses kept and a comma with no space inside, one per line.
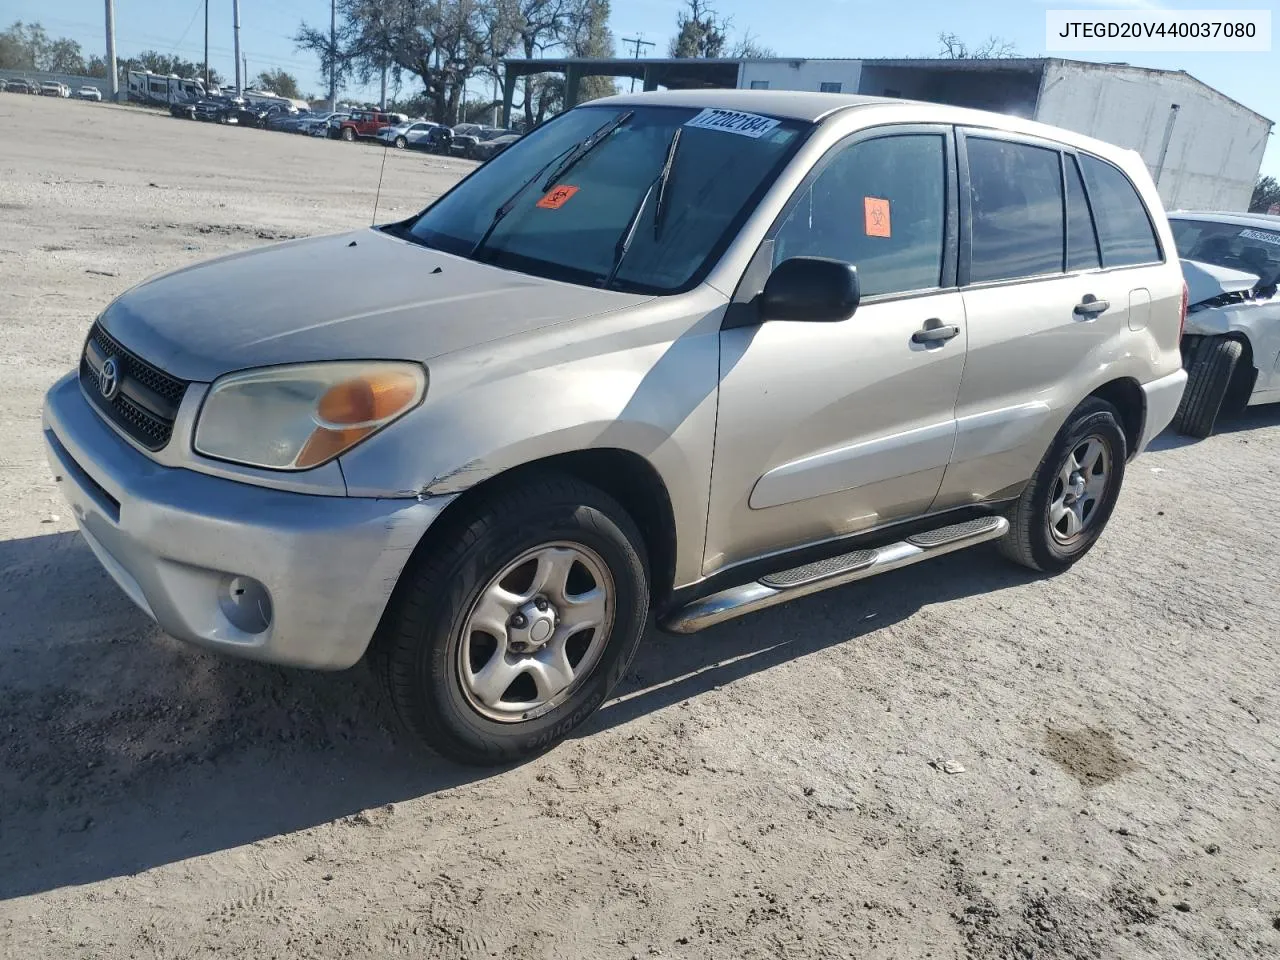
(875,213)
(1273,238)
(731,121)
(557,196)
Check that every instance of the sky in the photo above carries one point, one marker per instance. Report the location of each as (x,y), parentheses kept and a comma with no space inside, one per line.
(792,28)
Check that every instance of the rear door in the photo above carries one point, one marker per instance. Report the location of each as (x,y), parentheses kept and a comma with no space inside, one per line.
(1047,304)
(827,429)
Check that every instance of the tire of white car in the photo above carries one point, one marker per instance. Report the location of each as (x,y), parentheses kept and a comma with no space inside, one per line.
(1209,371)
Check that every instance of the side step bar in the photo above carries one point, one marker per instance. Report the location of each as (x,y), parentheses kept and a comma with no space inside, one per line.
(798,582)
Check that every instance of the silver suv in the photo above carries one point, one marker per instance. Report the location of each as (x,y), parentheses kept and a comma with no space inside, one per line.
(690,353)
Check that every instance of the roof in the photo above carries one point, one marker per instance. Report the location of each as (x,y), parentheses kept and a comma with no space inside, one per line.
(1263,221)
(786,104)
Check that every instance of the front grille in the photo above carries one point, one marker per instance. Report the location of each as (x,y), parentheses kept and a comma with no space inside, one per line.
(147,399)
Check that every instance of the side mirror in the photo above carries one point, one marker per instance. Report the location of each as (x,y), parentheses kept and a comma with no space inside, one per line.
(813,289)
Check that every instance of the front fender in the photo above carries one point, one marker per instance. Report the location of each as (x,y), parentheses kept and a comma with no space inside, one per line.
(642,380)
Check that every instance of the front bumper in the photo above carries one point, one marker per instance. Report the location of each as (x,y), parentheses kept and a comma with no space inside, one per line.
(1163,397)
(289,578)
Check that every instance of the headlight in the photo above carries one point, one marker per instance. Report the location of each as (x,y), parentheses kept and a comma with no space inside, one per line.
(298,417)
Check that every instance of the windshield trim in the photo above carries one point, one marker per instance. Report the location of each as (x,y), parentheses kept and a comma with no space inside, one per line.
(551,270)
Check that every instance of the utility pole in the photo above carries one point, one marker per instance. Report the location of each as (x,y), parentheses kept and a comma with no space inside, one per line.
(638,42)
(333,55)
(112,77)
(206,46)
(382,104)
(235,8)
(245,59)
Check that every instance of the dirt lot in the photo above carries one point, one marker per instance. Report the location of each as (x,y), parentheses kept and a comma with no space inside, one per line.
(762,790)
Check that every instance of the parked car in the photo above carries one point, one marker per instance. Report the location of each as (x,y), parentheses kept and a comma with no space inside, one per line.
(466,136)
(52,88)
(332,127)
(284,120)
(1232,264)
(489,148)
(229,110)
(22,86)
(571,423)
(183,109)
(89,93)
(416,134)
(364,124)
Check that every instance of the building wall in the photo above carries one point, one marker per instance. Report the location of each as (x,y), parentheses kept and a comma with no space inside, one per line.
(801,74)
(1216,145)
(1011,92)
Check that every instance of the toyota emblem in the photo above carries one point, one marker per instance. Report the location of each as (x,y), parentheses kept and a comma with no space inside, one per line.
(109,379)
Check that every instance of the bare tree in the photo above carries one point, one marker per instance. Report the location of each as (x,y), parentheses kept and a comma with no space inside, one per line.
(951,47)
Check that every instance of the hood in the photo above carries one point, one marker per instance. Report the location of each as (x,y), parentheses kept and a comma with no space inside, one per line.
(361,295)
(1205,281)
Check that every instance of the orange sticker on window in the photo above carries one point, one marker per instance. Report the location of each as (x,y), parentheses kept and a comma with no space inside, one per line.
(876,213)
(557,197)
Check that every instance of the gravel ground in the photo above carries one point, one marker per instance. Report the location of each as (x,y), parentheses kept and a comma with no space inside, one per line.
(765,789)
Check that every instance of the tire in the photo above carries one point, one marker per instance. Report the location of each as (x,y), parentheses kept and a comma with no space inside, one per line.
(1209,373)
(348,135)
(401,143)
(1032,539)
(426,641)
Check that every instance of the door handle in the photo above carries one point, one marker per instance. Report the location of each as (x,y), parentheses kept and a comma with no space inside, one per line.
(934,331)
(1091,306)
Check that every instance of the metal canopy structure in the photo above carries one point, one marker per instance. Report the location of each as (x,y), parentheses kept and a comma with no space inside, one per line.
(673,74)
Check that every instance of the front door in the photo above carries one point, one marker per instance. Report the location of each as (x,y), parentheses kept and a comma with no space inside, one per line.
(827,429)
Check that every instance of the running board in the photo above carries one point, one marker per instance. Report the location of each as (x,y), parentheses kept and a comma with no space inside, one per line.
(798,582)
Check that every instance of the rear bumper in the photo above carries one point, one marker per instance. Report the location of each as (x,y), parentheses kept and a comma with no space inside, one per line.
(1163,397)
(285,577)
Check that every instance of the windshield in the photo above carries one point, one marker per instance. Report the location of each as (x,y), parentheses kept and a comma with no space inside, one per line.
(1250,249)
(571,231)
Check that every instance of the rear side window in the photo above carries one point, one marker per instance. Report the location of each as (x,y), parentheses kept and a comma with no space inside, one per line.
(1082,242)
(1124,228)
(1015,193)
(879,204)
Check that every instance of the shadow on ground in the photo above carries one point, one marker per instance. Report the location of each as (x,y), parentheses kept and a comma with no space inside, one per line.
(121,749)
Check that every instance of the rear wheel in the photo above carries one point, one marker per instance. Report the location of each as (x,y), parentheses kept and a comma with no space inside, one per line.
(1210,371)
(1069,500)
(512,630)
(401,143)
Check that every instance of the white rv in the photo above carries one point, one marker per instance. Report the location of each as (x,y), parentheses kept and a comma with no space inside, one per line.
(161,91)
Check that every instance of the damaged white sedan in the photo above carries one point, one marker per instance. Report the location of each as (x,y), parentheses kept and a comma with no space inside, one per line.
(1231,343)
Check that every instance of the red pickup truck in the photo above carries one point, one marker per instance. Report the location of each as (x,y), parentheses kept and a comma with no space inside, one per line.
(366,124)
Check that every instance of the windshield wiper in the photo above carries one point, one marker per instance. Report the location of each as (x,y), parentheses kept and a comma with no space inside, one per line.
(659,185)
(569,157)
(660,205)
(585,147)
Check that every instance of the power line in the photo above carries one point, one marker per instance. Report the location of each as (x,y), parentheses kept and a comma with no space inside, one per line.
(639,42)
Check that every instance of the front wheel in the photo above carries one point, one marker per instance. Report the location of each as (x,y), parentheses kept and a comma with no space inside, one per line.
(513,628)
(1069,500)
(401,143)
(1209,375)
(348,134)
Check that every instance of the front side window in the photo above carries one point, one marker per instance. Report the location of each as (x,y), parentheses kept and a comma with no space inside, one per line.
(1015,193)
(879,204)
(572,230)
(1124,228)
